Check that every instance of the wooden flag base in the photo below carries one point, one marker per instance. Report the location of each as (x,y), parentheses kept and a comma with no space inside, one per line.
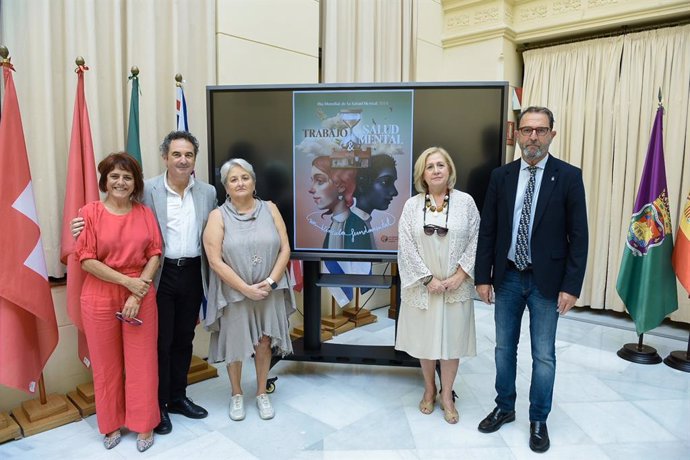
(354,312)
(337,325)
(200,370)
(294,335)
(392,312)
(334,322)
(84,398)
(34,417)
(363,320)
(360,316)
(298,332)
(8,428)
(348,326)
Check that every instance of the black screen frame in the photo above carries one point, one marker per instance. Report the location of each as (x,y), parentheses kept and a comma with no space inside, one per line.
(497,151)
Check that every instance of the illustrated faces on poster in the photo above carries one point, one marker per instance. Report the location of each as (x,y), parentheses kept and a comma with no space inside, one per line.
(376,187)
(322,189)
(332,188)
(383,189)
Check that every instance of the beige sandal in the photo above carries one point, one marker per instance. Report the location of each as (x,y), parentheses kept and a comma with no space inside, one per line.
(427,407)
(451,416)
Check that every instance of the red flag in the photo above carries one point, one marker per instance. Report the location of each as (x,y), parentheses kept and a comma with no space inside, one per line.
(28,328)
(681,252)
(81,188)
(296,274)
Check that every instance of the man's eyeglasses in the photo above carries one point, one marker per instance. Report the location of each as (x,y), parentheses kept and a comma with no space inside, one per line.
(430,229)
(527,131)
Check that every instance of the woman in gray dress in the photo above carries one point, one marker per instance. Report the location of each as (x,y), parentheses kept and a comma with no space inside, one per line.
(249,298)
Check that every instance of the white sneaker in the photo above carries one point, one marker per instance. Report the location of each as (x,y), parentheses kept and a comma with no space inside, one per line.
(237,408)
(266,411)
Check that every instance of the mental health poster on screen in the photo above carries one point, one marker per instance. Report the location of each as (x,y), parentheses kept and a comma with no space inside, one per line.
(352,162)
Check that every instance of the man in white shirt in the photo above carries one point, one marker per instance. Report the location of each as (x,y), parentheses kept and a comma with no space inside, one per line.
(181,204)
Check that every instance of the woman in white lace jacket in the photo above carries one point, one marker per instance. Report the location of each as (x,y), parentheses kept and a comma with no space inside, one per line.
(436,250)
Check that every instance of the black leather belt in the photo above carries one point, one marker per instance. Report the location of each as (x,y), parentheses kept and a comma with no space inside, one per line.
(512,265)
(183,261)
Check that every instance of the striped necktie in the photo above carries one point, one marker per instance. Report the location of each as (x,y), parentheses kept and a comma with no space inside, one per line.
(522,243)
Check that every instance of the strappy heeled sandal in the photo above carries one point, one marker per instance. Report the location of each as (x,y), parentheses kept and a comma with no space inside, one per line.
(427,407)
(450,416)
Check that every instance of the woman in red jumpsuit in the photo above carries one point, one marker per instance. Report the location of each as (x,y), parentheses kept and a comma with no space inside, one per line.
(119,249)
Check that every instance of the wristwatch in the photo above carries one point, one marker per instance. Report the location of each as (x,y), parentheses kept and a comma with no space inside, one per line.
(271,283)
(427,279)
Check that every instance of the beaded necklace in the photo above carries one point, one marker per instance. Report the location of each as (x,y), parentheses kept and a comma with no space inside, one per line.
(432,208)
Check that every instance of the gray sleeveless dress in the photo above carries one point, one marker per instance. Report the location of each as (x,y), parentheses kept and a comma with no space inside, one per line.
(250,247)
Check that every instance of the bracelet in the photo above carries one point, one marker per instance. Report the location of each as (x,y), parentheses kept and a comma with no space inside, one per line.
(427,279)
(271,283)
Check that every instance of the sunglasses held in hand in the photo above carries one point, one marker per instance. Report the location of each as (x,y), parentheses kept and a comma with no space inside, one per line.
(125,319)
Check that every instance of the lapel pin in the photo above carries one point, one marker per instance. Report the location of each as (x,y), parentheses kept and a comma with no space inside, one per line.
(553,178)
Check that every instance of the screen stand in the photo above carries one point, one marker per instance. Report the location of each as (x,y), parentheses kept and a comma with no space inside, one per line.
(310,348)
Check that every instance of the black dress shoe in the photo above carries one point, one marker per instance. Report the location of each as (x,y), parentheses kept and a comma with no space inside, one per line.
(495,420)
(165,426)
(538,437)
(186,407)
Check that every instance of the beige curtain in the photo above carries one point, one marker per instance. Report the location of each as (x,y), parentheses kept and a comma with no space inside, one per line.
(161,37)
(368,40)
(577,82)
(603,94)
(651,60)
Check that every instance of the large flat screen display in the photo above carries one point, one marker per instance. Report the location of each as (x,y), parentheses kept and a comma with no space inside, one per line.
(338,159)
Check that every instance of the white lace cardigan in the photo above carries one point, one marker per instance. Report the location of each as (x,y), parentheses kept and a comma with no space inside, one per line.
(463,223)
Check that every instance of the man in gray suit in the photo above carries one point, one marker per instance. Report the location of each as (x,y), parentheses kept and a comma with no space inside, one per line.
(181,204)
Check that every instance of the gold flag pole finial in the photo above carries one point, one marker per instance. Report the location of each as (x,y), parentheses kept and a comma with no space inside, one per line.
(81,65)
(178,79)
(659,95)
(4,53)
(134,70)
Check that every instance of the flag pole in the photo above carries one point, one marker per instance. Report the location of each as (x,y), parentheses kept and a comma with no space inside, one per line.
(8,427)
(48,411)
(636,256)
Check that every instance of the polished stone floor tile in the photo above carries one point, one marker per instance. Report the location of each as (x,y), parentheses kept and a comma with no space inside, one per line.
(604,407)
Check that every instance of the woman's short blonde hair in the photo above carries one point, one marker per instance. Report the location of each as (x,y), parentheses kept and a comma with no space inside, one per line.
(420,164)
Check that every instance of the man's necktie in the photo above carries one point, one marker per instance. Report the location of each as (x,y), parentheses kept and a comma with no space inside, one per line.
(522,243)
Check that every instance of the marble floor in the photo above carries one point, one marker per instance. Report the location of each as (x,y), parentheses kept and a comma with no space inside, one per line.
(604,407)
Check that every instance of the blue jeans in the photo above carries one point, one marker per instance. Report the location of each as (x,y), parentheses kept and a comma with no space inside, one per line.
(517,290)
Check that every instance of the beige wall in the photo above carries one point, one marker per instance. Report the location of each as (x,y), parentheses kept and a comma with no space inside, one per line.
(267,41)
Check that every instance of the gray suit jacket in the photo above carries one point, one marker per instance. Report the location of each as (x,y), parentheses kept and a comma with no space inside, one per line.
(204,196)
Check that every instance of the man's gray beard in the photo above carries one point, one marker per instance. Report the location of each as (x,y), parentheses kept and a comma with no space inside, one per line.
(537,155)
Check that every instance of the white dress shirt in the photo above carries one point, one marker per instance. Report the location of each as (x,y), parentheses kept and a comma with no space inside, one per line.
(182,238)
